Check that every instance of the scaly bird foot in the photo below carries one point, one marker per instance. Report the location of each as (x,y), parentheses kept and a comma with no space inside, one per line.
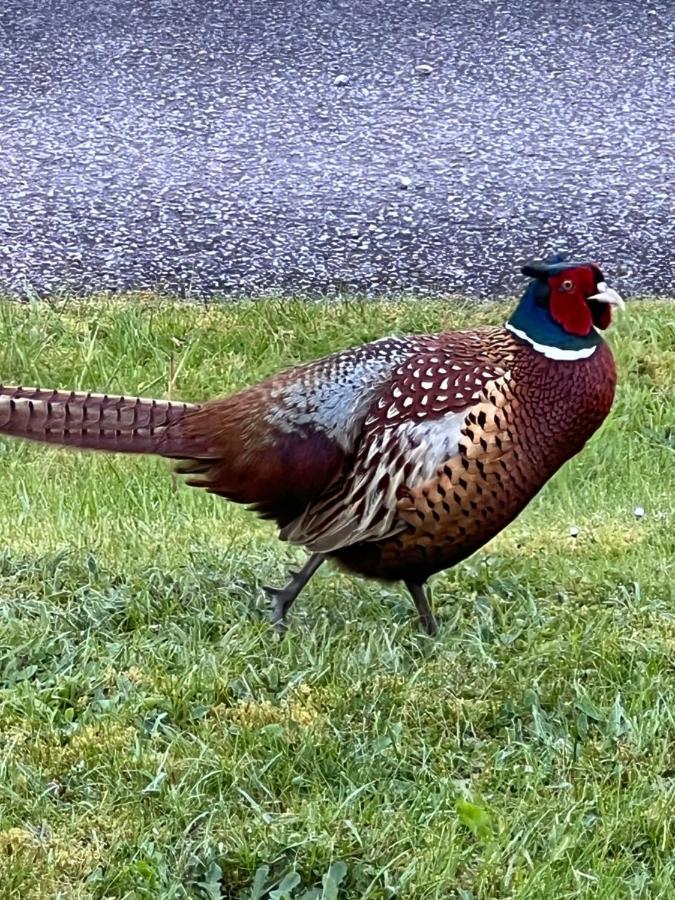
(281,599)
(427,619)
(429,624)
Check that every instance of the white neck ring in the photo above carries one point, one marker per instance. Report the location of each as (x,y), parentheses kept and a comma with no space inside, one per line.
(553,352)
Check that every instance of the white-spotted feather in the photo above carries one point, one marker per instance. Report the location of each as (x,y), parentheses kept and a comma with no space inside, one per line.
(399,450)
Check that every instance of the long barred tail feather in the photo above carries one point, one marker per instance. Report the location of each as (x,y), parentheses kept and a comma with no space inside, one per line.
(116,424)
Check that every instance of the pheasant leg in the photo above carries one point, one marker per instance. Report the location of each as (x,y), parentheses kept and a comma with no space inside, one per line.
(427,618)
(283,598)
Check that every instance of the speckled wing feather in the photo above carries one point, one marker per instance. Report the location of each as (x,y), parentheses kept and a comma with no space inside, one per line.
(414,426)
(279,444)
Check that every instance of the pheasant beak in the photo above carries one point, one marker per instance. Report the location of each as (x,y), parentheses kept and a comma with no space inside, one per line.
(608,295)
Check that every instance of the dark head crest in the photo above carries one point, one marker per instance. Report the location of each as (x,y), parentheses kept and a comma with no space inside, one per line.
(554,265)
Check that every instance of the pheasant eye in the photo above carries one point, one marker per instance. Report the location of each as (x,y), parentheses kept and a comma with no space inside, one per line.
(567,284)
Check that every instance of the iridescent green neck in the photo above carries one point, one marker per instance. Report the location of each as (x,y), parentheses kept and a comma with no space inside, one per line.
(532,321)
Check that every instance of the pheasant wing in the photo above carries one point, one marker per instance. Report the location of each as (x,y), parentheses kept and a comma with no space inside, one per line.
(413,427)
(279,445)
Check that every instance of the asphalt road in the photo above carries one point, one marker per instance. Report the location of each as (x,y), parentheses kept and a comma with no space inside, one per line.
(297,146)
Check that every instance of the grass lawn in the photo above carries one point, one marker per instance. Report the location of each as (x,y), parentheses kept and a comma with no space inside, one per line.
(157,742)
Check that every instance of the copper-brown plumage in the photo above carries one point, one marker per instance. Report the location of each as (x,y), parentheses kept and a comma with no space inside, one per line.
(512,441)
(396,459)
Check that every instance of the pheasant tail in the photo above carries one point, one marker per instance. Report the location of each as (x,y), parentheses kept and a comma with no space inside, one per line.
(96,421)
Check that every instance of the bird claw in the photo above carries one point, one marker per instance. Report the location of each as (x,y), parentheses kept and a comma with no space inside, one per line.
(279,600)
(429,625)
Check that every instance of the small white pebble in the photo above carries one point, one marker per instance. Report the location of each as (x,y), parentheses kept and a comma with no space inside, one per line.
(574,531)
(638,512)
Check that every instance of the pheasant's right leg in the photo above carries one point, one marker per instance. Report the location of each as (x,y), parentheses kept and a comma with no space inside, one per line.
(427,618)
(283,598)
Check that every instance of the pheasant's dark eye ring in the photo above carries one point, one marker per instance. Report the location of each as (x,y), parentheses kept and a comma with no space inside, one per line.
(567,285)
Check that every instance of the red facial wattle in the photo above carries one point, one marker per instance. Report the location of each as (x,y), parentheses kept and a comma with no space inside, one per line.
(602,314)
(572,312)
(570,304)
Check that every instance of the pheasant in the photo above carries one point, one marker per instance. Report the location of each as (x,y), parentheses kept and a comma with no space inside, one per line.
(396,459)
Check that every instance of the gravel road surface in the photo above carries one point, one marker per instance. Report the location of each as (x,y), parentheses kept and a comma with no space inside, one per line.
(244,147)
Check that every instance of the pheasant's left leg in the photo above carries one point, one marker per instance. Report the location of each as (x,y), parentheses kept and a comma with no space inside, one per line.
(283,598)
(427,618)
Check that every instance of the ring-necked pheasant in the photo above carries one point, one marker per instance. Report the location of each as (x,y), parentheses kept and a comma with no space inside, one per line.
(397,459)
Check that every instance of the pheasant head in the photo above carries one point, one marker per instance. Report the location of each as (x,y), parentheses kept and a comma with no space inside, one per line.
(564,308)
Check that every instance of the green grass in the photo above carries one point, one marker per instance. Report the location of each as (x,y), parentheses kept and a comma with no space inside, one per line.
(157,742)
